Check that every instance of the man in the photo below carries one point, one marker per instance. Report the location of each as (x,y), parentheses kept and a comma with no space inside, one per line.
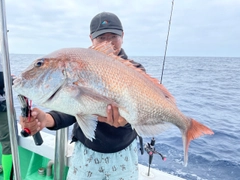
(4,133)
(113,152)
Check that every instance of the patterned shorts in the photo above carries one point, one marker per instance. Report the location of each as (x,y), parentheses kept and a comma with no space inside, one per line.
(87,164)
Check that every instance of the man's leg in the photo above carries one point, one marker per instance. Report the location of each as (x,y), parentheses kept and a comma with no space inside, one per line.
(7,166)
(6,146)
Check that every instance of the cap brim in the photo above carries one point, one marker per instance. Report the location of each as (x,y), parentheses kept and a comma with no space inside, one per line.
(115,31)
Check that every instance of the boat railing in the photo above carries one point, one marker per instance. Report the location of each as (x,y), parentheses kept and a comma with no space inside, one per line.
(8,90)
(60,157)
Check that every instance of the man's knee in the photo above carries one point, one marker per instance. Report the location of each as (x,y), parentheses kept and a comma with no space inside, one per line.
(6,148)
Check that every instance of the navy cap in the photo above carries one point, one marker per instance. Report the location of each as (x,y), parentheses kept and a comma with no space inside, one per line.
(105,22)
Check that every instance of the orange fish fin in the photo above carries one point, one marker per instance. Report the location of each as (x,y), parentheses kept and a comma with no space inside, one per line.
(163,89)
(105,47)
(167,94)
(194,131)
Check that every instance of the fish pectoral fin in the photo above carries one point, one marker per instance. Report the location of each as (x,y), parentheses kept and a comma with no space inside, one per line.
(88,124)
(87,92)
(150,129)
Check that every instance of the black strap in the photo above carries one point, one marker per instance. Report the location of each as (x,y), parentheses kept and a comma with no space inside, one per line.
(1,83)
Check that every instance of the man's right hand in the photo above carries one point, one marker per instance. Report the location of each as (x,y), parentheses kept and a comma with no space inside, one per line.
(38,120)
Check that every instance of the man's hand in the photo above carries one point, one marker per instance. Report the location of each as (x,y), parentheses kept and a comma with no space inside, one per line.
(29,123)
(37,121)
(113,117)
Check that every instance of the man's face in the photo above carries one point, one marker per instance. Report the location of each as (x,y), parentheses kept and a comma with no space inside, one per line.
(115,39)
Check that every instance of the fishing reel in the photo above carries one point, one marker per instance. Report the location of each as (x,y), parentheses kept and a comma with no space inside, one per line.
(150,149)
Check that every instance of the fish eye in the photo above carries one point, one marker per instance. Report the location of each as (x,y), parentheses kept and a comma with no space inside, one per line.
(39,63)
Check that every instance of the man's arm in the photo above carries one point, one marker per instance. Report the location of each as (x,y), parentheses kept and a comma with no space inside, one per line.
(39,120)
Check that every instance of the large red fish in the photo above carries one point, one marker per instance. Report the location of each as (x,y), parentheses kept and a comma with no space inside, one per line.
(82,82)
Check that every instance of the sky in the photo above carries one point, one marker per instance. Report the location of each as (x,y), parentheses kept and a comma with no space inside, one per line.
(198,27)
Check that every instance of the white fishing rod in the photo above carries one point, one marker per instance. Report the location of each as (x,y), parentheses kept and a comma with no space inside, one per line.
(8,92)
(166,46)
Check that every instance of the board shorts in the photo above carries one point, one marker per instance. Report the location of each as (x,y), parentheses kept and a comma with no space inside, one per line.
(87,164)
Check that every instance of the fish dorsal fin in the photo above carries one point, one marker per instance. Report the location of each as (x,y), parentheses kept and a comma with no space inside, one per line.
(164,90)
(107,48)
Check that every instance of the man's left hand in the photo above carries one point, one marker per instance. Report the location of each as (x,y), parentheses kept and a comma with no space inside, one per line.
(113,117)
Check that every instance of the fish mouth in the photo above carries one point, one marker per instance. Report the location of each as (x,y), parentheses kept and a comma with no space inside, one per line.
(17,81)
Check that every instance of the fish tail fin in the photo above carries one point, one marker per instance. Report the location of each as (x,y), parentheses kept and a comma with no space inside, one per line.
(194,131)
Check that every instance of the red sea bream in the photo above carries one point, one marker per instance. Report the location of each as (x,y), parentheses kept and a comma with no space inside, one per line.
(82,82)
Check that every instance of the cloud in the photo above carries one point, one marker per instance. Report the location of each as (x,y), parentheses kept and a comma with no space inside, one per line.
(199,28)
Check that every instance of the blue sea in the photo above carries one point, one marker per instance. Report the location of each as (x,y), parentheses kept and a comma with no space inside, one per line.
(206,89)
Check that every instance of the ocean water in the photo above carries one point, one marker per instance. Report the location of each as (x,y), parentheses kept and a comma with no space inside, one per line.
(206,89)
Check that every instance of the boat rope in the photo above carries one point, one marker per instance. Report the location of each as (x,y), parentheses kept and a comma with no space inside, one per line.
(169,26)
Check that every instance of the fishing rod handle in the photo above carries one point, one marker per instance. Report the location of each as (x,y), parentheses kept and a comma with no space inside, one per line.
(36,137)
(26,111)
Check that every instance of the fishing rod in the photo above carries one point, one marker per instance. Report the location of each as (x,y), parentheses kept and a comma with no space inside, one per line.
(149,147)
(169,26)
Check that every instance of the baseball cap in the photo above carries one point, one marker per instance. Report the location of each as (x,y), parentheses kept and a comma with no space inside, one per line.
(105,22)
